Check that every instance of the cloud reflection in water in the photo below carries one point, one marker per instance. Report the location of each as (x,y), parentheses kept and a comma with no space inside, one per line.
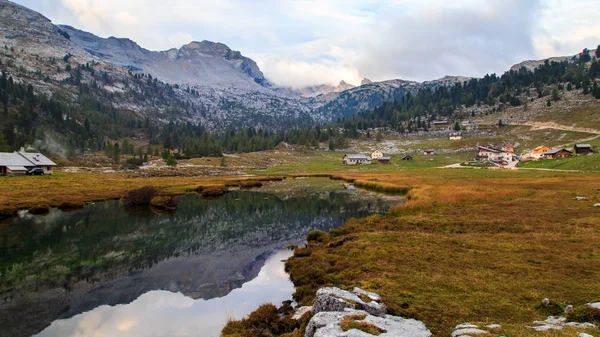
(163,313)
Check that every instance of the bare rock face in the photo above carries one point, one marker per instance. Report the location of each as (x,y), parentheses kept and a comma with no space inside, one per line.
(333,305)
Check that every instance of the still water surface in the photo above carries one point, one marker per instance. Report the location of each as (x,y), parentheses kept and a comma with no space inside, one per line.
(109,270)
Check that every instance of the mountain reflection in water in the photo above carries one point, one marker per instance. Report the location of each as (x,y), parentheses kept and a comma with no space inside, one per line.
(162,313)
(60,265)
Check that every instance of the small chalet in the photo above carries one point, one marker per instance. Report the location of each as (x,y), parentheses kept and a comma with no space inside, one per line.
(384,160)
(377,154)
(557,154)
(455,136)
(583,149)
(538,152)
(18,163)
(508,148)
(429,153)
(407,158)
(356,159)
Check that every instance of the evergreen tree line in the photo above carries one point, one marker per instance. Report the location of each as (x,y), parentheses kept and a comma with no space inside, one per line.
(86,124)
(415,112)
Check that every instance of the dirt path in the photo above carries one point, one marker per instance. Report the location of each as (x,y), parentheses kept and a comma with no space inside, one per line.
(556,126)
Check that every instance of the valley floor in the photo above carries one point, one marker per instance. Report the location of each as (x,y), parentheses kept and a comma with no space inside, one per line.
(481,246)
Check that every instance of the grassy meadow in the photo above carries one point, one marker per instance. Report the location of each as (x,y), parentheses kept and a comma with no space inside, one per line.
(480,246)
(585,163)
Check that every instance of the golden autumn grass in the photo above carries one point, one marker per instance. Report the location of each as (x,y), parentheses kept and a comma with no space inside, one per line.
(482,246)
(485,248)
(77,188)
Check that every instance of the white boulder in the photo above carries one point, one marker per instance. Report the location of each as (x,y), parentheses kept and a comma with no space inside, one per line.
(335,299)
(326,324)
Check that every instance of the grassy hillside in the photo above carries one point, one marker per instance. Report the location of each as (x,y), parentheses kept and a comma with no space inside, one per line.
(586,163)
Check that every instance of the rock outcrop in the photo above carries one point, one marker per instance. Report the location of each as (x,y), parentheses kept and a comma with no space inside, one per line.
(335,299)
(361,310)
(557,323)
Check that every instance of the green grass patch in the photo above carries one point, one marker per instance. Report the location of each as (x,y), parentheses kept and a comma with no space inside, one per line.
(585,163)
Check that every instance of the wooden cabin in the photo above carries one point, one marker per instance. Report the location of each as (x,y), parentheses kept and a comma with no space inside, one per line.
(557,154)
(583,149)
(384,160)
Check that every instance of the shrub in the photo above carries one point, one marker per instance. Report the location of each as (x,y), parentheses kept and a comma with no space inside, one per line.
(135,161)
(140,196)
(270,178)
(316,235)
(171,161)
(69,205)
(263,322)
(584,313)
(39,210)
(164,202)
(250,184)
(6,212)
(302,252)
(214,191)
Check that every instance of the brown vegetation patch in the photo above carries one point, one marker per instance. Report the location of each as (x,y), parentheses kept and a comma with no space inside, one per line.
(140,196)
(40,210)
(585,313)
(264,322)
(248,184)
(214,191)
(354,322)
(70,205)
(164,202)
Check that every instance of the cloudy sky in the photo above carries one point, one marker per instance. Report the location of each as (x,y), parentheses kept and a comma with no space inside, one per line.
(303,42)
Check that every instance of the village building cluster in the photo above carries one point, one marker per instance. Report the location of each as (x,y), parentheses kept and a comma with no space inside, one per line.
(544,152)
(362,159)
(19,163)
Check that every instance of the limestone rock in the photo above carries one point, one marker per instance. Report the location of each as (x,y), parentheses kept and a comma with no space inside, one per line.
(585,325)
(301,312)
(595,305)
(468,332)
(335,299)
(372,296)
(568,309)
(546,302)
(580,198)
(466,326)
(596,205)
(493,326)
(552,320)
(583,334)
(546,327)
(326,324)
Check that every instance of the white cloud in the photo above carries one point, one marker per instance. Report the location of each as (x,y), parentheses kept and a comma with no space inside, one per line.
(300,42)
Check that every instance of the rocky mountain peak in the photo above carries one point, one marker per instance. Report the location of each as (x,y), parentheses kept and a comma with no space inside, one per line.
(20,22)
(343,86)
(365,81)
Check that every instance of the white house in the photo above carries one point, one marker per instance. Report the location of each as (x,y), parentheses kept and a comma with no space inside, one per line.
(493,154)
(356,159)
(376,155)
(455,136)
(18,163)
